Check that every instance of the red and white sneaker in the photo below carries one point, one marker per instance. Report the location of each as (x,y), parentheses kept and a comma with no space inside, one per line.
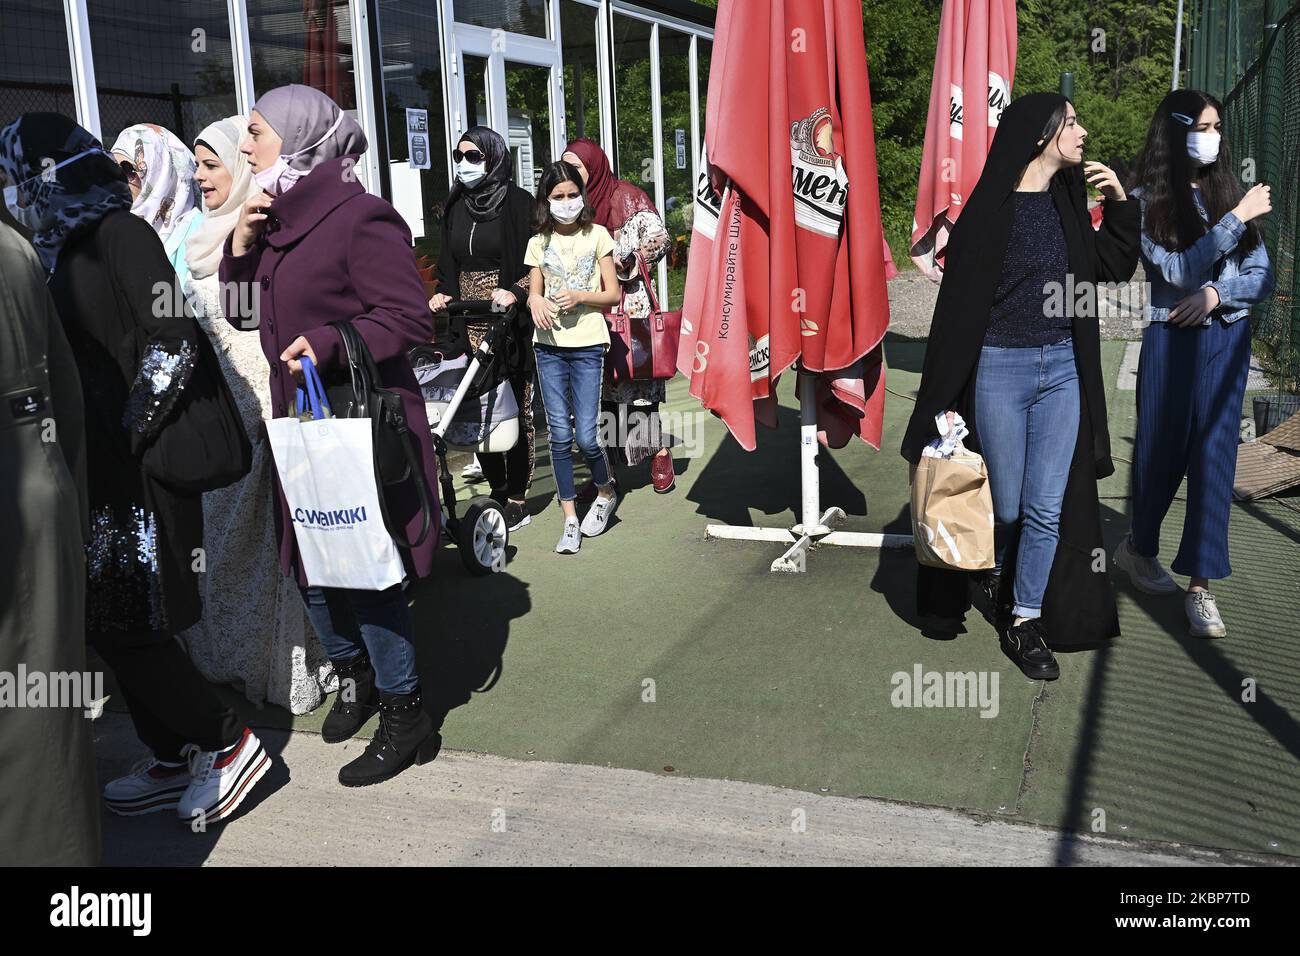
(222,779)
(151,786)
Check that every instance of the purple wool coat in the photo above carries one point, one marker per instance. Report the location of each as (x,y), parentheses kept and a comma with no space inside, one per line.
(332,251)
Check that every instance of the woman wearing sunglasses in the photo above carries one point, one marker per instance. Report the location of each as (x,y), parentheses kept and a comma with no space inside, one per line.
(486,225)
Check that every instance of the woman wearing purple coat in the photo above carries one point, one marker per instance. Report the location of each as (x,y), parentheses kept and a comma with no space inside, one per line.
(316,248)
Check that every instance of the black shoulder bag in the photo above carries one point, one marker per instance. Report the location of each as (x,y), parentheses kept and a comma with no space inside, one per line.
(396,458)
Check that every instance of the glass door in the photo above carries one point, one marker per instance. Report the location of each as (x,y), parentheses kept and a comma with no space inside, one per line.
(511,83)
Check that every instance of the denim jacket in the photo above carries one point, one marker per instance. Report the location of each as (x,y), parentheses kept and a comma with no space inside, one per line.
(1240,281)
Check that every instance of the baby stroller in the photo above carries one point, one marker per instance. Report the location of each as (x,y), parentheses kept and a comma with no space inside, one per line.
(471,407)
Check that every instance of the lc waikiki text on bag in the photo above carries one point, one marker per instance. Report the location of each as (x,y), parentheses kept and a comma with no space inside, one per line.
(952,504)
(327,472)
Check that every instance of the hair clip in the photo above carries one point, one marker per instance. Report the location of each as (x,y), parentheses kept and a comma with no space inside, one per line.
(1183,118)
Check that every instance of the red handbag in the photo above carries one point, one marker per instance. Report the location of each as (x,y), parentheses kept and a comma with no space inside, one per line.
(642,349)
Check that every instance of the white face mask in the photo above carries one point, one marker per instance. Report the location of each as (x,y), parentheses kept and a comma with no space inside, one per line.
(29,216)
(1203,147)
(470,173)
(281,177)
(565,211)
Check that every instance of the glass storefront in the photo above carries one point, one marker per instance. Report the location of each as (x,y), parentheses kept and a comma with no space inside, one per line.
(528,17)
(412,70)
(303,41)
(675,109)
(35,69)
(166,62)
(539,71)
(579,33)
(633,109)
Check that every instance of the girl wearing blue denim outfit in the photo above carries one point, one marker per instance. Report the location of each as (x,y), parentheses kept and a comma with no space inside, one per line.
(1206,266)
(571,280)
(1010,351)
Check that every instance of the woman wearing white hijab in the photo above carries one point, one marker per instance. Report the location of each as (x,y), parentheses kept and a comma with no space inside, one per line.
(160,171)
(253,633)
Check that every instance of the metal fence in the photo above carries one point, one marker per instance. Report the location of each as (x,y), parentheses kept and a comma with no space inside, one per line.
(1247,53)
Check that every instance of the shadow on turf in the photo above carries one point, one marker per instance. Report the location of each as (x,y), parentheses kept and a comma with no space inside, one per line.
(735,481)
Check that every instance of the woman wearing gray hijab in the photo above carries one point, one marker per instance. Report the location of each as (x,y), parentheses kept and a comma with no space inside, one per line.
(322,250)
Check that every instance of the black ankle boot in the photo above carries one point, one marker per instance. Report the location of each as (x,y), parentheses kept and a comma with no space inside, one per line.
(1025,644)
(405,736)
(356,700)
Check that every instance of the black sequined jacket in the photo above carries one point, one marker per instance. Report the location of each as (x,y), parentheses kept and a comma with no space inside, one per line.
(132,338)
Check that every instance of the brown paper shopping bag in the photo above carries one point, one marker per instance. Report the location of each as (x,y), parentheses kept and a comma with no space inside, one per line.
(952,512)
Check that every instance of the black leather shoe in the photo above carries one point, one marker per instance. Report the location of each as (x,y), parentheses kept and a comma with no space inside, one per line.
(1024,643)
(354,704)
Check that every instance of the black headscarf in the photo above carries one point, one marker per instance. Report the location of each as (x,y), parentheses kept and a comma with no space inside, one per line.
(973,261)
(75,196)
(1079,606)
(484,198)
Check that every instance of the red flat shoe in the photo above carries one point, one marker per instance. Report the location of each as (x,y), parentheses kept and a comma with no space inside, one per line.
(661,474)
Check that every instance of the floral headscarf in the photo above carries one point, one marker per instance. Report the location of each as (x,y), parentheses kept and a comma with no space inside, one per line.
(169,196)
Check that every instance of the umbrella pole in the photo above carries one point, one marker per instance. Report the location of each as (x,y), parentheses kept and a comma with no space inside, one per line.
(813,528)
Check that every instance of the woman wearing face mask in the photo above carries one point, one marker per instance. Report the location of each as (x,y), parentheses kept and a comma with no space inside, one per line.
(1027,380)
(322,250)
(486,224)
(253,633)
(640,241)
(134,364)
(1206,265)
(160,171)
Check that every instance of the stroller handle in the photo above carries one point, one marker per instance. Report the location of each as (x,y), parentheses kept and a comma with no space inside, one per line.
(481,307)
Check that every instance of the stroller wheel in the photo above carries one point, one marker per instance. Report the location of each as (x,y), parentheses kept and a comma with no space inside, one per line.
(483,536)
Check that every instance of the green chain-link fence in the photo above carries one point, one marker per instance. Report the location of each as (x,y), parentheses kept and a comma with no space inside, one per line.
(1247,53)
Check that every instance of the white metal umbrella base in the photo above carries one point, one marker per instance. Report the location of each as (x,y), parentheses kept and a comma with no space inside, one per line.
(795,558)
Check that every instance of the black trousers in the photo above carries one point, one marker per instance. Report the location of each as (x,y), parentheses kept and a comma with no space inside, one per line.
(513,470)
(171,703)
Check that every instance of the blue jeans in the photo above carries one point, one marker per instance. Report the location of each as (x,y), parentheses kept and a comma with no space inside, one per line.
(1191,383)
(570,380)
(350,623)
(1027,411)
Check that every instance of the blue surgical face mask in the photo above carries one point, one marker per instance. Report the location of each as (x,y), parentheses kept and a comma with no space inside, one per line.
(29,216)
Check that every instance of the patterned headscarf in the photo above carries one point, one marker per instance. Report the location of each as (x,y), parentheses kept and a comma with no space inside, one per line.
(169,196)
(203,249)
(484,198)
(72,198)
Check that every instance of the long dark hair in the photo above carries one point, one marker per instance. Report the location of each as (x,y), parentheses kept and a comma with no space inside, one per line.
(554,174)
(1165,173)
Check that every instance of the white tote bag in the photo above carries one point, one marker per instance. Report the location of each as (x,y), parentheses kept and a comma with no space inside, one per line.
(327,472)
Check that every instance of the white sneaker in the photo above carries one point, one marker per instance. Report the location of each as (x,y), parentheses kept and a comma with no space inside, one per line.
(1147,574)
(598,515)
(472,471)
(151,786)
(570,539)
(1203,615)
(222,779)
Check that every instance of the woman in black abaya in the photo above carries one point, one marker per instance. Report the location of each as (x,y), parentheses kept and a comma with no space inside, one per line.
(993,297)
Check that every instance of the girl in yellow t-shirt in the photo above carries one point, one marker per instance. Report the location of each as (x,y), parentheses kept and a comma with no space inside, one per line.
(571,281)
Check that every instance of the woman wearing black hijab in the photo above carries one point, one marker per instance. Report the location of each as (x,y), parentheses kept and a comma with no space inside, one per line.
(1010,352)
(486,225)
